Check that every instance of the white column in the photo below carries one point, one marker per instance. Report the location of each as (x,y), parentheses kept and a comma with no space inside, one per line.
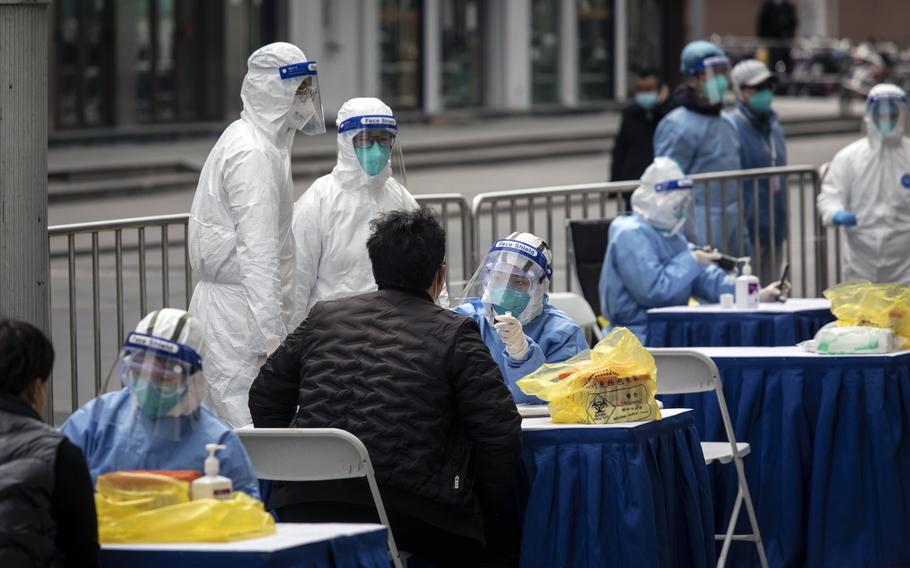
(432,57)
(370,55)
(568,53)
(621,49)
(23,156)
(516,48)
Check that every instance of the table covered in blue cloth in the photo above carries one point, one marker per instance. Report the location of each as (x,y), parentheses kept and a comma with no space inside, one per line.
(623,495)
(324,545)
(774,324)
(829,470)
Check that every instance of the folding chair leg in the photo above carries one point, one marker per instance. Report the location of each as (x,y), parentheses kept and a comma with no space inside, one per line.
(753,520)
(728,537)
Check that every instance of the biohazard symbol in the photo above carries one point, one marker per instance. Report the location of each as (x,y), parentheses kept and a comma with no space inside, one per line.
(600,409)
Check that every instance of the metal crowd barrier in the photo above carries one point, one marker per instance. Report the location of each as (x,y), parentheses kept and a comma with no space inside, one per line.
(123,258)
(544,211)
(120,257)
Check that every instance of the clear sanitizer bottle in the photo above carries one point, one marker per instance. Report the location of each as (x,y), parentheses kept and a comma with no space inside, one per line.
(747,288)
(211,485)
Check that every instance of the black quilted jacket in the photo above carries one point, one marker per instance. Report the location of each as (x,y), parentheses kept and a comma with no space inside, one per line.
(416,384)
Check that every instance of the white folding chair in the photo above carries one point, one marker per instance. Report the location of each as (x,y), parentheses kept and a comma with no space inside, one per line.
(579,310)
(314,454)
(681,371)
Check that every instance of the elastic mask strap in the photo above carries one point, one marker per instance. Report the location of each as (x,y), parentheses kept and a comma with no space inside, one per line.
(152,322)
(180,323)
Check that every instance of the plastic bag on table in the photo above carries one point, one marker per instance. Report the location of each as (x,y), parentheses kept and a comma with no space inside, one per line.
(862,303)
(121,494)
(614,382)
(851,340)
(204,520)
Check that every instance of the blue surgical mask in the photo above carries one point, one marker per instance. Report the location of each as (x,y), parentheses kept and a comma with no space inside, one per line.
(714,89)
(886,126)
(509,301)
(373,158)
(647,99)
(760,102)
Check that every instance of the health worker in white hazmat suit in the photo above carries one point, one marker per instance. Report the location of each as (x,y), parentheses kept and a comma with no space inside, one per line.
(240,239)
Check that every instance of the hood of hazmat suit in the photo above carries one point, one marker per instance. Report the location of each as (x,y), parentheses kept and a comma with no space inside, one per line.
(871,179)
(332,218)
(240,239)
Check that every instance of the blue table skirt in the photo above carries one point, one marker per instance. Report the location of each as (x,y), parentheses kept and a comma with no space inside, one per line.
(829,470)
(367,550)
(618,497)
(735,329)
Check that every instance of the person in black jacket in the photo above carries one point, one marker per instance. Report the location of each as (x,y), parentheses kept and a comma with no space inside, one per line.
(416,383)
(47,509)
(633,150)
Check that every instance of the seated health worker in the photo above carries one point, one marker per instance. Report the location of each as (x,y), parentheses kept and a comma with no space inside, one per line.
(649,263)
(507,298)
(157,420)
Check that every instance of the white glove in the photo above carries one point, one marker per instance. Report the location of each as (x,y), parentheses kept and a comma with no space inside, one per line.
(706,258)
(773,291)
(513,335)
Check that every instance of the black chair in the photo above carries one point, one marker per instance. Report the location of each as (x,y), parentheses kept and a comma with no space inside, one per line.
(587,247)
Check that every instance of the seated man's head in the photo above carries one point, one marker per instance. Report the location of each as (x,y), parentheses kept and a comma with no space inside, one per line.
(515,276)
(161,366)
(663,197)
(26,361)
(408,250)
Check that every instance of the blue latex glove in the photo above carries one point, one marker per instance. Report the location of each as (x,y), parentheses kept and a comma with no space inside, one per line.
(844,218)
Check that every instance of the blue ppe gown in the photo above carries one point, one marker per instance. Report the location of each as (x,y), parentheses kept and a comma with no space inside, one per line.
(759,141)
(644,269)
(115,436)
(706,143)
(552,337)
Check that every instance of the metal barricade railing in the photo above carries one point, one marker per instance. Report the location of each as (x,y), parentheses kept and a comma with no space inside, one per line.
(543,211)
(119,256)
(119,290)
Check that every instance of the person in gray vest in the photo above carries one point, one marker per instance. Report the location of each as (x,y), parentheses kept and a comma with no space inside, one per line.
(47,509)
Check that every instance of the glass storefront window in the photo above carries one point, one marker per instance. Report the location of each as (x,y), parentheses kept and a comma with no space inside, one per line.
(400,44)
(595,50)
(545,51)
(462,53)
(645,37)
(84,65)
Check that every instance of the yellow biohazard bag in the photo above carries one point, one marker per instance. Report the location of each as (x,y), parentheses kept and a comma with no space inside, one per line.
(137,507)
(614,382)
(862,303)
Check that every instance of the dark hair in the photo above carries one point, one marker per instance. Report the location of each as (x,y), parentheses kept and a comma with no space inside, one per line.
(645,72)
(406,248)
(26,354)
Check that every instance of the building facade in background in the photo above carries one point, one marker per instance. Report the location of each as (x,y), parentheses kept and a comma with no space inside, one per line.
(173,65)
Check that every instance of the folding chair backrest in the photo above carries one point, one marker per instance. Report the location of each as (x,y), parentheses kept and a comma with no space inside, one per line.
(681,371)
(588,245)
(305,454)
(577,308)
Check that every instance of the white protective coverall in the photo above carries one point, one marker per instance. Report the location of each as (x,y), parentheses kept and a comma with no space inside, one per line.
(240,239)
(871,179)
(332,220)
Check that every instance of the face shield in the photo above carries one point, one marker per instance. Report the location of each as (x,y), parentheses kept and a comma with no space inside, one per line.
(305,114)
(714,73)
(373,142)
(165,382)
(886,113)
(513,278)
(665,206)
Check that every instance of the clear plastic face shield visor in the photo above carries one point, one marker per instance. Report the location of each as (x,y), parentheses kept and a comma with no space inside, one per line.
(714,73)
(165,382)
(306,114)
(667,207)
(886,113)
(513,279)
(373,142)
